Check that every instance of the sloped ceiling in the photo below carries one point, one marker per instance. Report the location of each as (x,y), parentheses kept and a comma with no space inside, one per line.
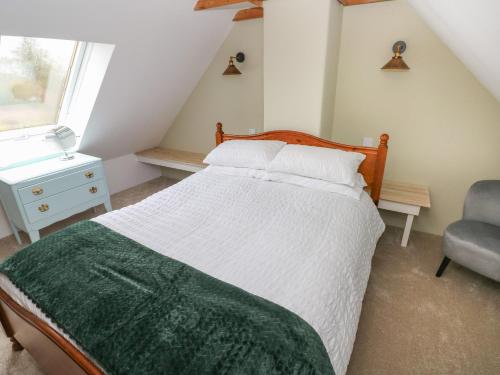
(162,49)
(471,29)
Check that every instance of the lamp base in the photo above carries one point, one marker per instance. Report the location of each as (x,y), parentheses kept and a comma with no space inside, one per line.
(66,157)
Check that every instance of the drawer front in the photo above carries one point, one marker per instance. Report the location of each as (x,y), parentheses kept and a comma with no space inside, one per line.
(51,187)
(64,201)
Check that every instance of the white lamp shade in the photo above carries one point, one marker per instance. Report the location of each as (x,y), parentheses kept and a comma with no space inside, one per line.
(66,137)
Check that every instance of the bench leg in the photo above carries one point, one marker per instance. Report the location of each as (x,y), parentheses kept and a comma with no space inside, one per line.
(407,231)
(443,266)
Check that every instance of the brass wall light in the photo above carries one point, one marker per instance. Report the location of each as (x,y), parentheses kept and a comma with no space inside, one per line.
(232,70)
(397,63)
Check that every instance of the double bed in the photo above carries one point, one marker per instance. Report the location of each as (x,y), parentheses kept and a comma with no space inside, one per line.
(304,250)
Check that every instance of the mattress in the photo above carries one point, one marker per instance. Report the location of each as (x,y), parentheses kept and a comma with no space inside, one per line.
(306,250)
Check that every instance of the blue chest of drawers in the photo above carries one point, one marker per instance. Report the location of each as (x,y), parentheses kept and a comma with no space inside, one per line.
(40,194)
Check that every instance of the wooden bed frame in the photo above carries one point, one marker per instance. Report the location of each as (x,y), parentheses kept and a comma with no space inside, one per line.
(57,356)
(372,167)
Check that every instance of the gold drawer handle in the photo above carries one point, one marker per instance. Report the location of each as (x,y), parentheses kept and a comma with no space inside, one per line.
(93,190)
(43,208)
(37,191)
(89,174)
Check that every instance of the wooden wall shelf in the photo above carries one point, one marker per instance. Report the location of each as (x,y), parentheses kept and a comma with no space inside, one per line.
(177,159)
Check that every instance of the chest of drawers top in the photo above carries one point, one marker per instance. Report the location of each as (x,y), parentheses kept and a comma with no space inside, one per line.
(47,169)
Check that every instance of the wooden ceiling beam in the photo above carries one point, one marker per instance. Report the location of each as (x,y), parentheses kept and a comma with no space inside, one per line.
(358,2)
(249,14)
(210,4)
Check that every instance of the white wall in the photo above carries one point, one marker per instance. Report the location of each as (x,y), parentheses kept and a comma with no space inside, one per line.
(471,29)
(300,58)
(125,172)
(162,50)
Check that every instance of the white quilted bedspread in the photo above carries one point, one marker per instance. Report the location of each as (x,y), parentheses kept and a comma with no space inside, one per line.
(306,250)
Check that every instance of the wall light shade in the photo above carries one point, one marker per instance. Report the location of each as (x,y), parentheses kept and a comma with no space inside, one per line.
(397,63)
(231,69)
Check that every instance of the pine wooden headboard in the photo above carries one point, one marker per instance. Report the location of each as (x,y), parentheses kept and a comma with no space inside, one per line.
(372,167)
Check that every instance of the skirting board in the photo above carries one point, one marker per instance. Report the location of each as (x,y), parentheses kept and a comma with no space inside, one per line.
(122,173)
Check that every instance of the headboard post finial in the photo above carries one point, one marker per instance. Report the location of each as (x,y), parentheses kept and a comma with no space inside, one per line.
(384,139)
(219,135)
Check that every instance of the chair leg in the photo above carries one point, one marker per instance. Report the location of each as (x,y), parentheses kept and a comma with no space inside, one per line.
(443,266)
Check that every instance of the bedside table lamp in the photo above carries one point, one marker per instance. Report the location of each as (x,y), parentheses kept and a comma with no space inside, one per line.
(67,139)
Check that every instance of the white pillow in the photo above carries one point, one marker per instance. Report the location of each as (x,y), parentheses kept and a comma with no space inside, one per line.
(312,183)
(318,162)
(244,154)
(240,172)
(360,181)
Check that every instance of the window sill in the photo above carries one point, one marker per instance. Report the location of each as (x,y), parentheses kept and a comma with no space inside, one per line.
(26,133)
(21,151)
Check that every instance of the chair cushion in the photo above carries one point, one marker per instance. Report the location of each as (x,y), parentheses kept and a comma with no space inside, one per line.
(475,245)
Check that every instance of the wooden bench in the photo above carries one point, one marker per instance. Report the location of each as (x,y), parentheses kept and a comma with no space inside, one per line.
(176,159)
(404,198)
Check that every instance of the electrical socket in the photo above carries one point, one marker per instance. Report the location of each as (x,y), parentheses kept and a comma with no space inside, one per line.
(368,142)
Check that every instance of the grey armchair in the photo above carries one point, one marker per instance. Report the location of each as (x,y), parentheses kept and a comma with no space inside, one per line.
(474,241)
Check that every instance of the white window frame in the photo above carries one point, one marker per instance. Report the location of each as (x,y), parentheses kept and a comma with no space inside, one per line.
(72,87)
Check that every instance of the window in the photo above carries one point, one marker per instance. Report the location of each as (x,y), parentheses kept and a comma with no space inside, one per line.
(36,80)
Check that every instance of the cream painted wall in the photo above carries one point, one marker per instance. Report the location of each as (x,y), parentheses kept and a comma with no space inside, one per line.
(444,125)
(331,68)
(301,50)
(236,101)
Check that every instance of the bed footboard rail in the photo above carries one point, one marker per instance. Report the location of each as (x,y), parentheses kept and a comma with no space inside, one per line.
(52,352)
(9,331)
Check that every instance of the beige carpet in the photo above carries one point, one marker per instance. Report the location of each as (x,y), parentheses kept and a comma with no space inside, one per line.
(415,323)
(412,322)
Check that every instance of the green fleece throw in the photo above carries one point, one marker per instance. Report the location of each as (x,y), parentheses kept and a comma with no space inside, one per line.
(137,312)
